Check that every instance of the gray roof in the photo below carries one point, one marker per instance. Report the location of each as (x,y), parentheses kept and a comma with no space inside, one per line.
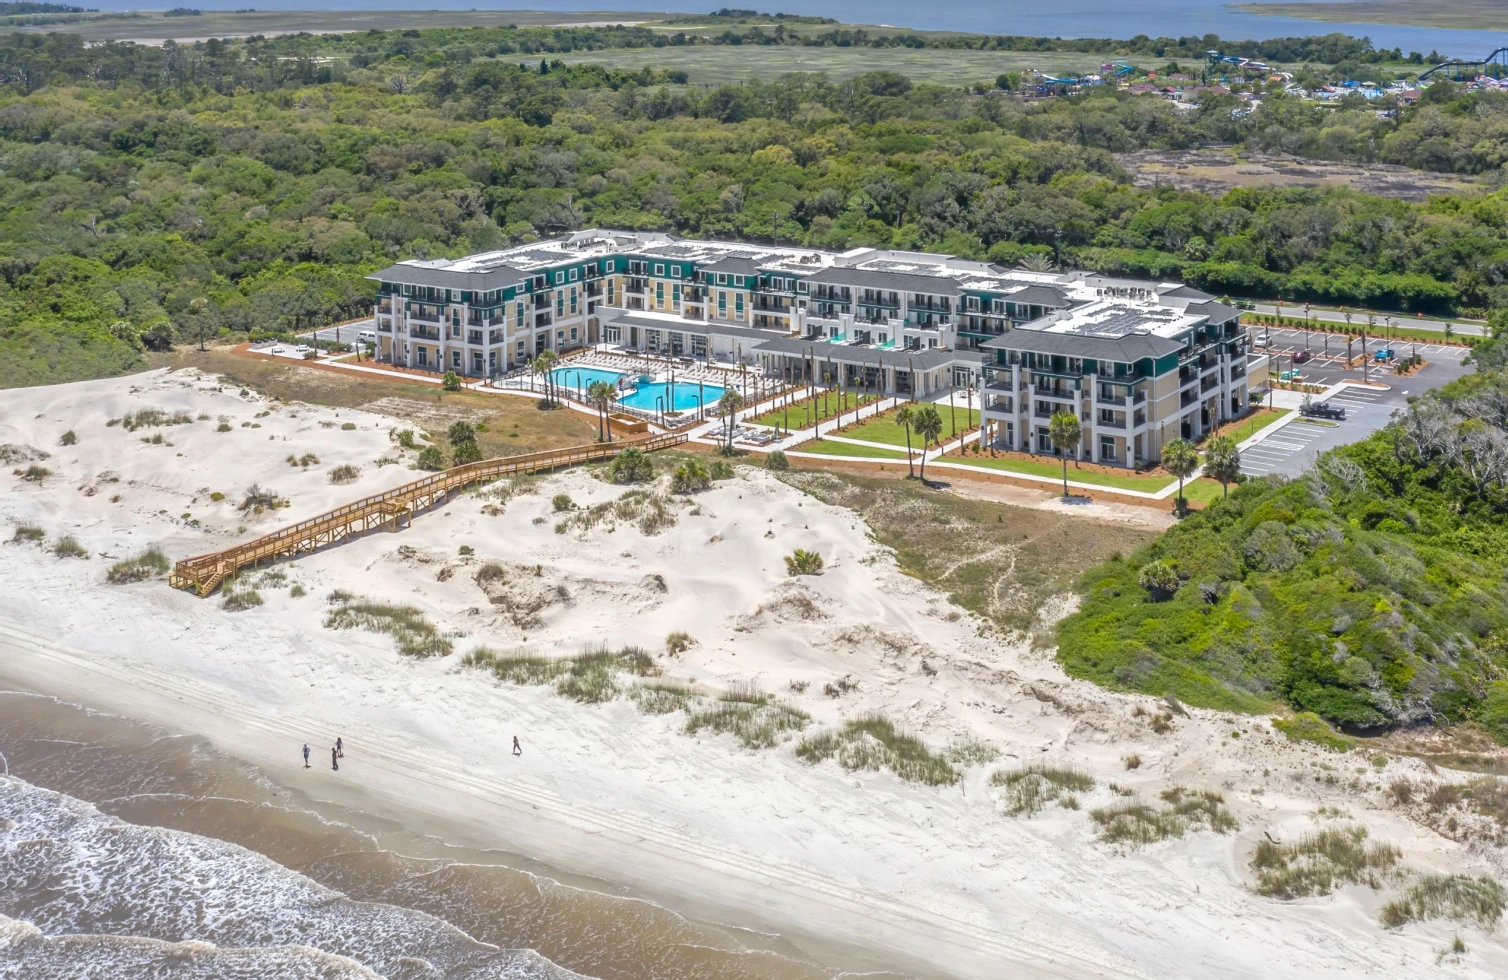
(741,265)
(1217,312)
(497,277)
(1186,292)
(1125,350)
(899,281)
(925,359)
(1038,295)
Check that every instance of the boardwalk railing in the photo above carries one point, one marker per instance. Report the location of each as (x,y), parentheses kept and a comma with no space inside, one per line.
(203,574)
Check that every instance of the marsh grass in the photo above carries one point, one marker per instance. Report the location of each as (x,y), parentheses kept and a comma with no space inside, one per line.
(68,547)
(27,534)
(1028,790)
(1317,863)
(1135,823)
(147,418)
(589,677)
(144,566)
(873,742)
(1472,901)
(650,512)
(414,635)
(661,699)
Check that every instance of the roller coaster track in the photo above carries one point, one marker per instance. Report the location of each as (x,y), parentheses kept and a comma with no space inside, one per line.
(1500,56)
(203,574)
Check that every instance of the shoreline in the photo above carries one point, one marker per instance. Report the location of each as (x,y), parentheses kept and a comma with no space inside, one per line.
(800,907)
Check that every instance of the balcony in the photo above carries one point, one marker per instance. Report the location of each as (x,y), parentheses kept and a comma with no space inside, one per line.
(1209,384)
(637,286)
(424,334)
(1139,419)
(1006,405)
(1111,424)
(543,320)
(1188,398)
(474,338)
(1104,399)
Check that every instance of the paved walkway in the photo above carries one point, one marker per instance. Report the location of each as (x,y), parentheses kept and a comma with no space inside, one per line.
(1465,328)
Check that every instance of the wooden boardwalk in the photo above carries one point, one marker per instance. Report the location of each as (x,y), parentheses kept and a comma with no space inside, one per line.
(203,574)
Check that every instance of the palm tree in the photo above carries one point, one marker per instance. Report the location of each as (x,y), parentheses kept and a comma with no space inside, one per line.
(1222,460)
(1181,459)
(1066,432)
(544,364)
(727,409)
(602,394)
(904,418)
(929,426)
(1036,262)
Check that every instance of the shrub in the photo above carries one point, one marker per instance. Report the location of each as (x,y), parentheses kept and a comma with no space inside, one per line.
(405,438)
(34,473)
(68,439)
(803,562)
(1159,578)
(304,461)
(465,452)
(873,742)
(414,635)
(466,550)
(678,643)
(345,473)
(431,458)
(216,497)
(68,547)
(143,566)
(27,534)
(632,465)
(223,427)
(348,426)
(562,502)
(1317,863)
(1029,790)
(1306,726)
(776,460)
(690,477)
(1132,761)
(1473,901)
(720,469)
(258,499)
(451,381)
(462,432)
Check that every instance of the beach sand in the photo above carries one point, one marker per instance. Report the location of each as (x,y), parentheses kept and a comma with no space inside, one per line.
(858,870)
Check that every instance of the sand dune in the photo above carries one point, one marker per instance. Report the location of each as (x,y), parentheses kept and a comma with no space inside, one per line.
(862,869)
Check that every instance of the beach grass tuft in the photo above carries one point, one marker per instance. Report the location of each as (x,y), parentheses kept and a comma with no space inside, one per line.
(68,547)
(145,565)
(27,534)
(1471,901)
(1136,823)
(874,742)
(414,635)
(661,699)
(1317,863)
(1028,790)
(152,418)
(589,677)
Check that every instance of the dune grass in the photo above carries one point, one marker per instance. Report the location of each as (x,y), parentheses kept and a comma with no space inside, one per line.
(68,547)
(144,566)
(755,719)
(1136,823)
(647,510)
(152,418)
(27,534)
(1471,901)
(1316,864)
(661,699)
(589,677)
(414,635)
(873,742)
(1028,790)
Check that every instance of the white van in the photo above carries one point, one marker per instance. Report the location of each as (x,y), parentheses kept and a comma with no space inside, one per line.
(367,337)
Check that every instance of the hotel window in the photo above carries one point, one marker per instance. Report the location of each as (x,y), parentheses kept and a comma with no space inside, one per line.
(573,275)
(722,304)
(722,279)
(1107,447)
(675,295)
(659,294)
(738,280)
(659,268)
(520,348)
(675,271)
(518,315)
(610,292)
(455,358)
(573,333)
(738,306)
(573,299)
(560,303)
(559,277)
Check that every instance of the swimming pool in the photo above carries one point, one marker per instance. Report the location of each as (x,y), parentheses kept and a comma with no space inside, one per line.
(649,396)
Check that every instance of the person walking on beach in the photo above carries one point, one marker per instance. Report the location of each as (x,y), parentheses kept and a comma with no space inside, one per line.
(340,748)
(335,759)
(517,749)
(306,755)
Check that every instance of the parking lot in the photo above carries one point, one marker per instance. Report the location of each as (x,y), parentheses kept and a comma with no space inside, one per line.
(1290,449)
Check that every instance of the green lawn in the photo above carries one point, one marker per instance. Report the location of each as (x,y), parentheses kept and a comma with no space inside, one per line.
(823,447)
(883,428)
(1029,467)
(1201,492)
(1256,423)
(825,405)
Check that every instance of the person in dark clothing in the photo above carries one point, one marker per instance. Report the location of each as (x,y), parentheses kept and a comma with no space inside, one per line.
(335,759)
(306,755)
(340,748)
(517,749)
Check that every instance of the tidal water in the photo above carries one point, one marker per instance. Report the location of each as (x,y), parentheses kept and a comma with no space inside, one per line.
(127,852)
(1083,18)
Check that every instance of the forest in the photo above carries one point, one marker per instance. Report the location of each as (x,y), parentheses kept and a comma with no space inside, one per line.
(157,195)
(1369,591)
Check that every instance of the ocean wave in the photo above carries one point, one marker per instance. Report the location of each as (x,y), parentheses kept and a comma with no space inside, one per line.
(71,870)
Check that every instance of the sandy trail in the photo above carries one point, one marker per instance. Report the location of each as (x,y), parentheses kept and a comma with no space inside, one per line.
(860,869)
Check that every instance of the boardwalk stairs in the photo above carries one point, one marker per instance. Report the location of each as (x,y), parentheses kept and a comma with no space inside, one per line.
(389,510)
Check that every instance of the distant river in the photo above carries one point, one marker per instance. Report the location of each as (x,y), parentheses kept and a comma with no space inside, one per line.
(1083,18)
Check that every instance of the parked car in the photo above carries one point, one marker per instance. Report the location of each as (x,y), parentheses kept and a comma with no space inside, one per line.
(1322,410)
(1385,354)
(1300,356)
